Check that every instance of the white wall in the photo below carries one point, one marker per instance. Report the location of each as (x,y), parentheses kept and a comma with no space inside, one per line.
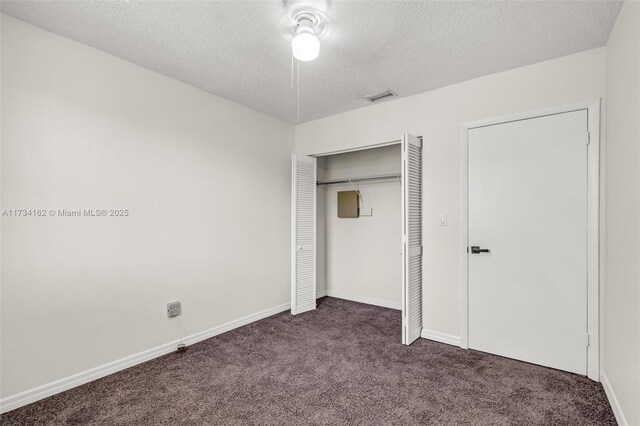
(437,115)
(201,176)
(622,271)
(363,260)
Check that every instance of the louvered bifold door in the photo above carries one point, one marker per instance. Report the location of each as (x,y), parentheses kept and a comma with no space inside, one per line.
(303,235)
(412,238)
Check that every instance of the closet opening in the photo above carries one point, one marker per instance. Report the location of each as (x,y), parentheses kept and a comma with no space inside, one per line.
(357,229)
(359,258)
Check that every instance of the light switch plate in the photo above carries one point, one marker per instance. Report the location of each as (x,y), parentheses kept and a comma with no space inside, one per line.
(366,211)
(443,219)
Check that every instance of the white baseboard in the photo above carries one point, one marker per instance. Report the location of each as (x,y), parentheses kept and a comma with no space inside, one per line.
(361,299)
(32,395)
(321,293)
(440,337)
(615,405)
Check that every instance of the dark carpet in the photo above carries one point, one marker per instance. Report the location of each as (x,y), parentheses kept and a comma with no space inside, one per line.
(342,364)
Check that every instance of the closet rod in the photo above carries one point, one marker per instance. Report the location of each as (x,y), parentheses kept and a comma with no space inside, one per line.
(360,179)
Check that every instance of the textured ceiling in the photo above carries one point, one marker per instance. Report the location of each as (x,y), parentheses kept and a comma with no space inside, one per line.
(237,50)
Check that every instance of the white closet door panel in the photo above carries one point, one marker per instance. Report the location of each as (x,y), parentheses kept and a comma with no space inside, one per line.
(303,235)
(412,238)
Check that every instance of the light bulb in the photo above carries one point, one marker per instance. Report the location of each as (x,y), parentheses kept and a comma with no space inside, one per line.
(305,46)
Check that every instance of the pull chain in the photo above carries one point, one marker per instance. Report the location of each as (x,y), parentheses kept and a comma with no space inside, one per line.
(295,31)
(298,92)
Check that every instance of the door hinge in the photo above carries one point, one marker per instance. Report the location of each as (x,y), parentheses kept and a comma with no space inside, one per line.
(588,340)
(588,138)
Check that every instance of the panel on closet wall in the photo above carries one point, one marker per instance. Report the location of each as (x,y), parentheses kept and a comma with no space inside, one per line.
(348,204)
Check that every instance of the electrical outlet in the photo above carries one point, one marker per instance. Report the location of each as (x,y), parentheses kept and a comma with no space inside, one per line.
(173,309)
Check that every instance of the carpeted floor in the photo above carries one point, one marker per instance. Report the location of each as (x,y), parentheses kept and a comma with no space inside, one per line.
(342,364)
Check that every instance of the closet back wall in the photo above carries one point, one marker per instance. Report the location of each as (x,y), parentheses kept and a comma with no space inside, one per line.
(363,259)
(206,182)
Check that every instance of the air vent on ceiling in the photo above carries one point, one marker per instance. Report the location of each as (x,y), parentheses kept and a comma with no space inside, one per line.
(378,96)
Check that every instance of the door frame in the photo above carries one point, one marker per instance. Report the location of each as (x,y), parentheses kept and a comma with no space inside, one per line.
(357,148)
(593,221)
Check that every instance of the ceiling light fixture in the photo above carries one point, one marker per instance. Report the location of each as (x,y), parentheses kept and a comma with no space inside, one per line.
(305,46)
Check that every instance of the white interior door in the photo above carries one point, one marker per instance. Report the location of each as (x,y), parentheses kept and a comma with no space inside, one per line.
(527,188)
(303,234)
(412,238)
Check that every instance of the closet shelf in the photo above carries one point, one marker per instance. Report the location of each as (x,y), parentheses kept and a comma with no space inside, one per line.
(360,179)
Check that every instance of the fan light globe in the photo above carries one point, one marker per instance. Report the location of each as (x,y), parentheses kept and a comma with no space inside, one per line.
(305,46)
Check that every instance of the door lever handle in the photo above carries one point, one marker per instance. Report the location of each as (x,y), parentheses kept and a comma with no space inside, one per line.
(477,249)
